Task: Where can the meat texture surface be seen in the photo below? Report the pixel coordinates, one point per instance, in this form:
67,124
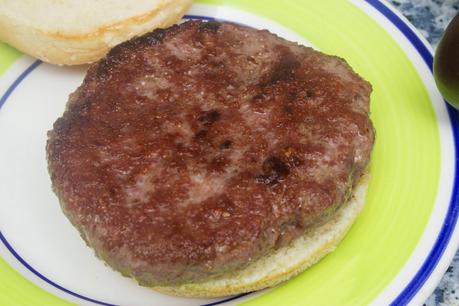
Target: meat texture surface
192,151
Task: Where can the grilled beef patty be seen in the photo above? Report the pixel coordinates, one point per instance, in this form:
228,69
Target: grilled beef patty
192,151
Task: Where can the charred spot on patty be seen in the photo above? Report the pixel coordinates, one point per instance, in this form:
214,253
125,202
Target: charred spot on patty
200,134
310,93
209,117
288,109
274,170
209,26
260,98
251,59
226,144
283,69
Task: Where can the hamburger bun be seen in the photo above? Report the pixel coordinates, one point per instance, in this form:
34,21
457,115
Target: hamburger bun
79,32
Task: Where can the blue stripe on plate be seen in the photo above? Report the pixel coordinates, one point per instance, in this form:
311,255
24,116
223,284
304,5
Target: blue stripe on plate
31,269
3,99
16,82
449,223
452,215
200,17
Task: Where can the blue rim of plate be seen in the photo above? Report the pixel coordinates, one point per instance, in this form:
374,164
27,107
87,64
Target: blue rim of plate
449,223
451,218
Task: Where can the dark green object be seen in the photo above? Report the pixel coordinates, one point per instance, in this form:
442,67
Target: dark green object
446,63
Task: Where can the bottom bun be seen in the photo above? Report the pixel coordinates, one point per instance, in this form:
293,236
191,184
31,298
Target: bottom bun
285,262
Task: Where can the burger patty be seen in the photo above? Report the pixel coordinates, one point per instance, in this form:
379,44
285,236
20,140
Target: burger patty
192,151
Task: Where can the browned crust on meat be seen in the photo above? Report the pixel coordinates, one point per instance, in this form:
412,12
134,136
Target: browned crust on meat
195,150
